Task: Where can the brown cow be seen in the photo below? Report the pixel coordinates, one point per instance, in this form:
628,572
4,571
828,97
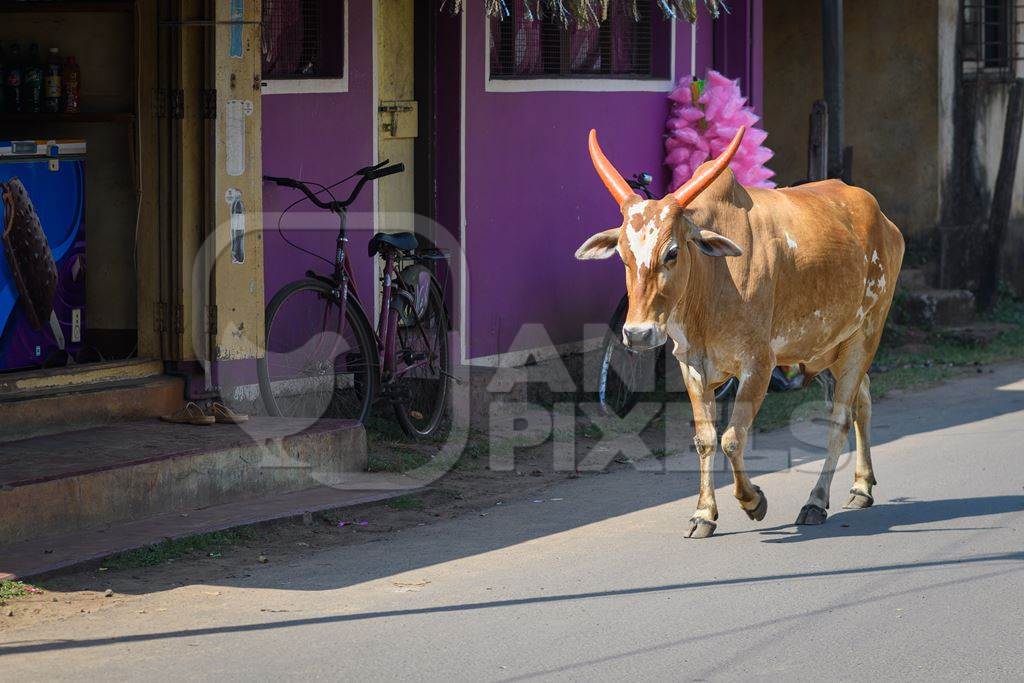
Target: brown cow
809,279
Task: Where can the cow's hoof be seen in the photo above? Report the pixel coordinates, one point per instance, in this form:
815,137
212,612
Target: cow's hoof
858,501
811,514
701,528
758,513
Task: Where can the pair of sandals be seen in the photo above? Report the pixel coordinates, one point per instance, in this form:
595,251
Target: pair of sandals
192,414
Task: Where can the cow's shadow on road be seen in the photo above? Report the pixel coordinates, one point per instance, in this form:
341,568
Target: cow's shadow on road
900,515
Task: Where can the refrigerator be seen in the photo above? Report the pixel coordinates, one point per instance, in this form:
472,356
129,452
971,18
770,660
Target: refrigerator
42,252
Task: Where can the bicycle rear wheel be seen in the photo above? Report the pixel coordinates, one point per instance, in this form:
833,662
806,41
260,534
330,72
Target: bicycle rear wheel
317,365
421,392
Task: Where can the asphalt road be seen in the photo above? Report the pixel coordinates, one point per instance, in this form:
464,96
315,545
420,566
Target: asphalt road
598,582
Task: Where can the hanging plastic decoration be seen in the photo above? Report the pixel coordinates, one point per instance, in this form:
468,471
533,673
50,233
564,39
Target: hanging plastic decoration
588,12
704,118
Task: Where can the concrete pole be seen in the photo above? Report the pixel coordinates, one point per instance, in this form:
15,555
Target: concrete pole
832,71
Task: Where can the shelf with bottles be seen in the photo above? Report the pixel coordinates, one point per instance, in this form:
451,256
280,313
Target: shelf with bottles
61,117
28,6
32,85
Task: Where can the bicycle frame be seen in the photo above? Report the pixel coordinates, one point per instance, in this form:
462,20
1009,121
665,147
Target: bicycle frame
387,323
342,278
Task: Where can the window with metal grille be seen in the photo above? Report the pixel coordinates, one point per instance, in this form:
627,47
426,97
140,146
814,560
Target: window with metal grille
991,38
303,38
623,45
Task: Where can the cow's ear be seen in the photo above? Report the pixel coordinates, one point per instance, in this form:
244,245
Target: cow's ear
599,246
713,244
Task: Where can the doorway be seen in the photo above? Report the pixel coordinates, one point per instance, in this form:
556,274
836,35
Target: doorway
397,113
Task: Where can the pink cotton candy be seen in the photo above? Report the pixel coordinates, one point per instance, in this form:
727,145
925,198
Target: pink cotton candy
698,131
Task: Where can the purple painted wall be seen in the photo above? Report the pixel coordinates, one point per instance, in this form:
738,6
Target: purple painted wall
738,48
532,196
321,138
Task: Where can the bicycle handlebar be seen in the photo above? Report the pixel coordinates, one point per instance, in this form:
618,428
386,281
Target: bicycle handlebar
390,170
367,174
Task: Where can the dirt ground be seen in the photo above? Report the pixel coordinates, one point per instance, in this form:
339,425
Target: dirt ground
470,488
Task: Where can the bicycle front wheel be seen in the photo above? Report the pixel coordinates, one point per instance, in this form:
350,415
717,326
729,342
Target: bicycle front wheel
625,375
316,363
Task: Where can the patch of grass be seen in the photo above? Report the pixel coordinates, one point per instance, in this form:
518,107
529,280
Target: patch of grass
396,460
16,589
897,369
160,553
406,503
477,447
779,408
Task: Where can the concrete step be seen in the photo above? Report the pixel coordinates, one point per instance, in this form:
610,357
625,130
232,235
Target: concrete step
88,479
977,334
931,308
50,401
50,553
913,279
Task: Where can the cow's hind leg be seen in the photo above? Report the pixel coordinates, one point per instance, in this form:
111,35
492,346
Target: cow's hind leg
864,474
848,370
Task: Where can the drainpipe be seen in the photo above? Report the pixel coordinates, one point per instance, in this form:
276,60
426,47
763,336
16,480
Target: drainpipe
832,72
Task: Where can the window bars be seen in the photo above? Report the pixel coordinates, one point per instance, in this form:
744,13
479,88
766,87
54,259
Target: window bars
293,33
992,38
621,45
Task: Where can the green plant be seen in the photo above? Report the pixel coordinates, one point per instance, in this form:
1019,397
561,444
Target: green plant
173,549
16,589
406,503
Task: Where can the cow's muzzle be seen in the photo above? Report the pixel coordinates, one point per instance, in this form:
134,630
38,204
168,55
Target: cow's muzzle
643,336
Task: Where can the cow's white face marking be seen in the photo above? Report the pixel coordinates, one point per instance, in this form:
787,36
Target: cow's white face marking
874,257
778,344
790,242
641,242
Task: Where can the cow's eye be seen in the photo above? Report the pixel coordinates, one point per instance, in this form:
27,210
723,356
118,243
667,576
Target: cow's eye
672,253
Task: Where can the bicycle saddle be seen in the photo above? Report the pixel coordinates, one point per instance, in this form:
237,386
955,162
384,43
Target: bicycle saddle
402,241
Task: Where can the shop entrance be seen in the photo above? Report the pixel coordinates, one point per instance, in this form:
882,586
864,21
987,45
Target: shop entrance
72,177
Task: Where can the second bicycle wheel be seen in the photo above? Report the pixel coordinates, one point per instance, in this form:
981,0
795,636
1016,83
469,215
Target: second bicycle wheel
316,364
625,375
421,390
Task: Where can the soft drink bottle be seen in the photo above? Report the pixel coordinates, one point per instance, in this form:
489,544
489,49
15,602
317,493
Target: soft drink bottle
12,81
72,77
52,86
3,79
32,82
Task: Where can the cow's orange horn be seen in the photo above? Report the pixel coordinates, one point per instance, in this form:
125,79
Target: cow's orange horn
705,176
613,180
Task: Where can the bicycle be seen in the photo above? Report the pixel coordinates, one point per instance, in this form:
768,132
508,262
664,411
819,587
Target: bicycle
323,357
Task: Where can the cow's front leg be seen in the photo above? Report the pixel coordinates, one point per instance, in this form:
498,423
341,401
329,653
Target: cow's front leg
703,522
749,396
